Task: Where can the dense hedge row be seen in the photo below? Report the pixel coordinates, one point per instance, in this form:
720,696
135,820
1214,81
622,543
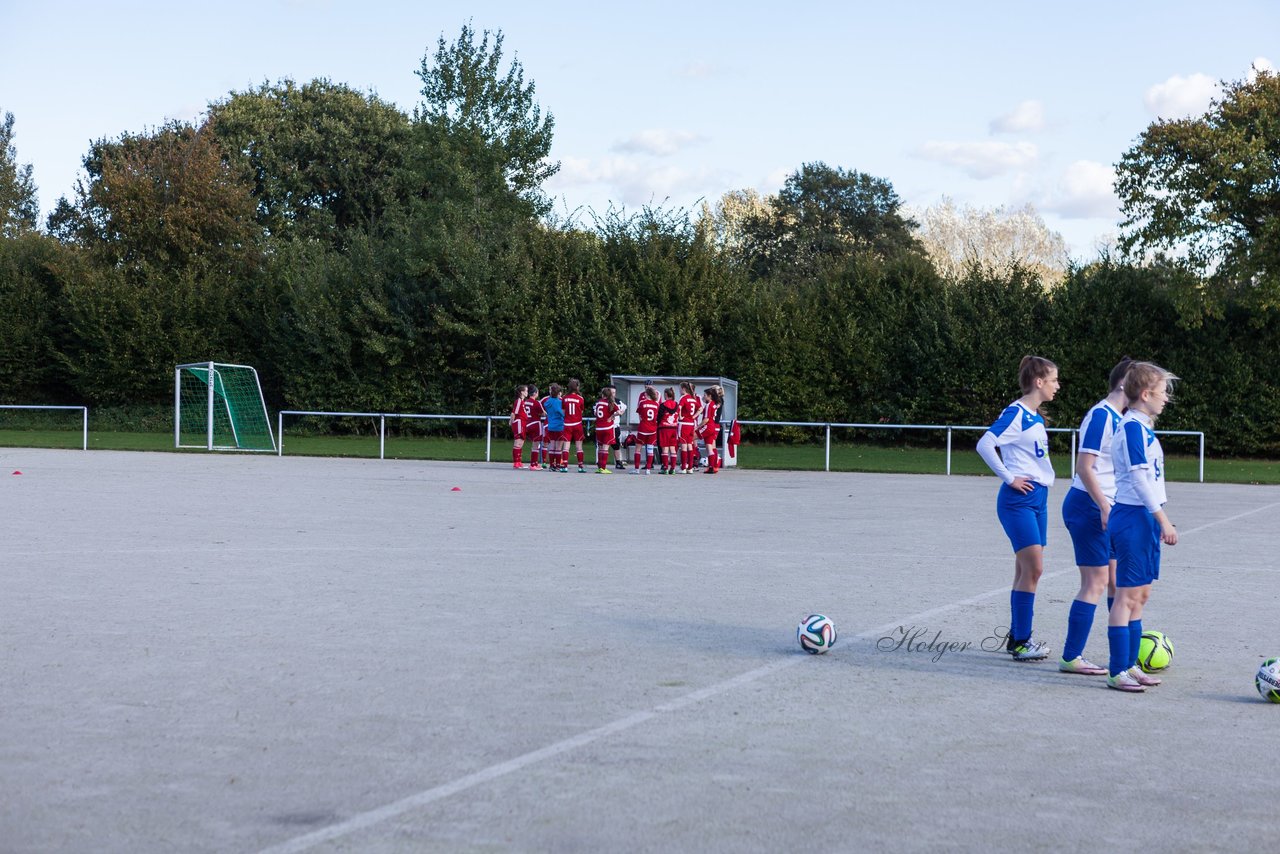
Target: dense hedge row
415,320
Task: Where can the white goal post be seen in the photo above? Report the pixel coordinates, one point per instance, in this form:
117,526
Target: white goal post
219,407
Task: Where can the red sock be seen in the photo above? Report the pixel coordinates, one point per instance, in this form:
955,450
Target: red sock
713,459
602,459
637,463
579,457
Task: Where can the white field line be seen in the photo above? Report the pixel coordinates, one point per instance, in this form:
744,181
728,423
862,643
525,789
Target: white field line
493,772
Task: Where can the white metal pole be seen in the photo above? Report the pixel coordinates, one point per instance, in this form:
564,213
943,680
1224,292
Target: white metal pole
382,437
1202,458
828,447
86,427
488,437
1073,453
948,451
280,433
177,407
209,414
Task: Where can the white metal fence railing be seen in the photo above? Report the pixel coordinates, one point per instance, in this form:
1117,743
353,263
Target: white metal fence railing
826,425
84,418
950,428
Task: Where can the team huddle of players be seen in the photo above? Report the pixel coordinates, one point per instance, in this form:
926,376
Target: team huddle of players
667,426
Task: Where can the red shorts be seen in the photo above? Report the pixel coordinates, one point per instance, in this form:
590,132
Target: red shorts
517,429
533,431
687,435
554,435
606,435
667,437
573,433
646,438
709,434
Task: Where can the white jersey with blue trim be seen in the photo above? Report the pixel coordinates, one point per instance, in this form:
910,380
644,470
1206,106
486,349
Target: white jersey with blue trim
1139,463
1097,432
1023,440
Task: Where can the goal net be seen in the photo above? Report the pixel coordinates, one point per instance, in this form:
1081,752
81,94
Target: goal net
220,408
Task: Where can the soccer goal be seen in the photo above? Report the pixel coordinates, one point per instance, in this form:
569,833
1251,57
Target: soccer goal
220,408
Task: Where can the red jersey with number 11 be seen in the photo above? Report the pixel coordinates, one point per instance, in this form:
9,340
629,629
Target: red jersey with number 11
573,409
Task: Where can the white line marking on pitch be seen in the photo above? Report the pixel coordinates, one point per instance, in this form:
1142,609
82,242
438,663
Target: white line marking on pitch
493,772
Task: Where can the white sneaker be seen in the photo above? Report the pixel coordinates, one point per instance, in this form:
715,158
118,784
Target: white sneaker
1124,681
1030,650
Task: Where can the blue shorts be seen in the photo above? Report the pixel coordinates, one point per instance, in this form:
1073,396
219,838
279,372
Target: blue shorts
1025,518
1135,533
1084,522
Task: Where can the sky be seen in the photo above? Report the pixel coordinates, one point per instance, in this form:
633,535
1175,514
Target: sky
991,104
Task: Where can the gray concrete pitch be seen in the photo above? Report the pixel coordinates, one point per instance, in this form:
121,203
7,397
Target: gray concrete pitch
223,653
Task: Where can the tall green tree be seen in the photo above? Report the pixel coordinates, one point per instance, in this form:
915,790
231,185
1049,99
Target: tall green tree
322,158
824,215
162,201
488,115
19,209
1210,187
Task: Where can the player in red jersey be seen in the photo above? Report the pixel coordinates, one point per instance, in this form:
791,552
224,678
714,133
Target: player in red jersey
709,425
517,427
533,417
606,412
574,407
689,406
647,432
668,429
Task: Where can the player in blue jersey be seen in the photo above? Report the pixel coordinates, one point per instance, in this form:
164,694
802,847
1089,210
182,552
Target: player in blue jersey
1138,523
1016,448
1085,511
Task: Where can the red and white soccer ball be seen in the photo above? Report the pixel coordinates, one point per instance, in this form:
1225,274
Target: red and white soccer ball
816,634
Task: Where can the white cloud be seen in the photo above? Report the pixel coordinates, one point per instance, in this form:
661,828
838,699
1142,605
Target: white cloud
1084,191
660,143
1027,117
1260,64
696,70
1180,97
981,159
634,181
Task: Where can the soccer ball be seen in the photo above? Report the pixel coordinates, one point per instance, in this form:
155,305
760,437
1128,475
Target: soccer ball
1155,652
1268,680
816,634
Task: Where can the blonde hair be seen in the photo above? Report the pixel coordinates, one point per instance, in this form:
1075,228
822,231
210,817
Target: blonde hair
1142,376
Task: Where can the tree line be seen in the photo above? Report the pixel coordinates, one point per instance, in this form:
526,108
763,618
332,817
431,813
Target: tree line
365,258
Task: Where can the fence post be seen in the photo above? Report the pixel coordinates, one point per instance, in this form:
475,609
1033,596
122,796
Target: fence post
1202,458
382,437
85,426
1073,452
488,437
948,450
828,468
280,433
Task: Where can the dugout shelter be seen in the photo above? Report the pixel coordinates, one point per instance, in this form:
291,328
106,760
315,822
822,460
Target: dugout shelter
630,386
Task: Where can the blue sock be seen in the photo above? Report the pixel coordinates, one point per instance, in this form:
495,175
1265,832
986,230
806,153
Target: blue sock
1013,618
1111,600
1135,639
1118,640
1079,622
1024,605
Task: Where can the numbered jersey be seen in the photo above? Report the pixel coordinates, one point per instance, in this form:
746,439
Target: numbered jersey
533,411
647,412
1023,441
1139,462
606,412
573,409
688,409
